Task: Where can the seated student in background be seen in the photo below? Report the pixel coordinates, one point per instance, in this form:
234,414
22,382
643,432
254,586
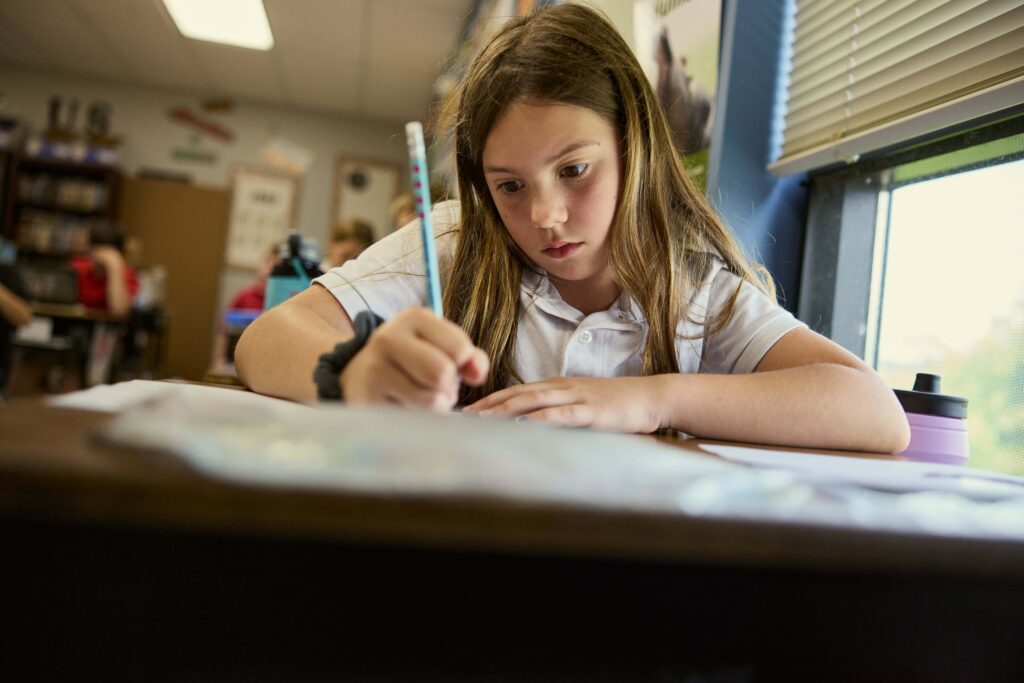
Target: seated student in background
105,280
249,298
402,210
348,239
15,311
403,207
586,280
252,296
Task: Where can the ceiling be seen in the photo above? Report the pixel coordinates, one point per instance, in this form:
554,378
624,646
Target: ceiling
369,59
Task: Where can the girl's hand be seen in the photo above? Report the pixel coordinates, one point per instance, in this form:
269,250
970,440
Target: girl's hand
620,404
415,359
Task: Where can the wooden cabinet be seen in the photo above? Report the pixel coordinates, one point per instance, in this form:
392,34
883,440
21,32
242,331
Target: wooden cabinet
184,229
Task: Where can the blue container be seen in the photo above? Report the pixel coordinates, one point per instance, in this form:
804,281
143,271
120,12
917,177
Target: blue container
296,267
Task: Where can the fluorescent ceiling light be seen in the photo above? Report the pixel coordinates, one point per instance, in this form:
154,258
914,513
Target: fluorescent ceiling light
242,23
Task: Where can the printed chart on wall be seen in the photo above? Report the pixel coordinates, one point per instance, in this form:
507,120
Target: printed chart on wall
262,212
681,42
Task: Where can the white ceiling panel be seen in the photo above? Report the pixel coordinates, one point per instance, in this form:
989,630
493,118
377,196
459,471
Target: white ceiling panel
306,35
239,72
68,43
150,49
409,103
15,45
373,58
408,37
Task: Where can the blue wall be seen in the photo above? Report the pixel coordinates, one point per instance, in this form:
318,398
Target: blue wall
766,213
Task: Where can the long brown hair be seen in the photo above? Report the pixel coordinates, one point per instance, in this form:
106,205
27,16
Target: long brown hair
663,236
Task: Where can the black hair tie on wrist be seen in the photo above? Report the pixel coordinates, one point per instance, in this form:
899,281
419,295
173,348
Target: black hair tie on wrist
327,374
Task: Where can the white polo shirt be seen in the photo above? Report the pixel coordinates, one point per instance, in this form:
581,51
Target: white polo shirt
554,339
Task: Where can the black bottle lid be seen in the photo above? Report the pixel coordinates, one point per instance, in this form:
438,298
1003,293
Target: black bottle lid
925,399
291,255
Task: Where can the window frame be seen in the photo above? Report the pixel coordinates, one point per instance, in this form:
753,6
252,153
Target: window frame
845,238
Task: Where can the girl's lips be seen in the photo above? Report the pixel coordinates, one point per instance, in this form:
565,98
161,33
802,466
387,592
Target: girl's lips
561,249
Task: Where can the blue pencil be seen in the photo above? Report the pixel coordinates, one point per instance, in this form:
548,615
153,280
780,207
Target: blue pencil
421,191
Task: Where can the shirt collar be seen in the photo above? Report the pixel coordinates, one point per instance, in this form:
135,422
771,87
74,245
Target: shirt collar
537,290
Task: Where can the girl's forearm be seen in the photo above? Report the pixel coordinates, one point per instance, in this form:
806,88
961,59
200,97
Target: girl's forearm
277,352
119,302
823,405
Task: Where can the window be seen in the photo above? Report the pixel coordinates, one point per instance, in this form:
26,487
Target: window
952,300
916,263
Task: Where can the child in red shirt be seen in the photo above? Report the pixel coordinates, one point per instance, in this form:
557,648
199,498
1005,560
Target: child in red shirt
105,280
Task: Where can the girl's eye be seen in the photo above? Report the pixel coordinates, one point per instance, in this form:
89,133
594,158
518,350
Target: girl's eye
510,186
575,171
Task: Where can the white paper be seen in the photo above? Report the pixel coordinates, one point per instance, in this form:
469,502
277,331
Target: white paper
115,398
396,451
39,329
885,475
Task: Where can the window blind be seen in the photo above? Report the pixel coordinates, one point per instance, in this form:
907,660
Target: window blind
865,74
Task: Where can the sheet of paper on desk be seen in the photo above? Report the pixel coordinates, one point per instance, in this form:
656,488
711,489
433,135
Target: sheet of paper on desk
114,398
246,437
885,475
252,439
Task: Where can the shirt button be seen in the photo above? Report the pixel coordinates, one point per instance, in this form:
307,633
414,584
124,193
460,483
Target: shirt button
585,337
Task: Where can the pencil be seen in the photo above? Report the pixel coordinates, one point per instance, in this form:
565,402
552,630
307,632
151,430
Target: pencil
421,191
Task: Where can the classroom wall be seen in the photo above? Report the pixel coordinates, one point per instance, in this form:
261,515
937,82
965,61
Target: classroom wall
150,138
768,214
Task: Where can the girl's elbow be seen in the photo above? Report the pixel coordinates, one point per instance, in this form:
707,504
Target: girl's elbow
250,346
901,436
893,424
243,355
892,427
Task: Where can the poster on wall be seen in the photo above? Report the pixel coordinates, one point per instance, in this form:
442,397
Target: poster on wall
678,42
364,189
263,204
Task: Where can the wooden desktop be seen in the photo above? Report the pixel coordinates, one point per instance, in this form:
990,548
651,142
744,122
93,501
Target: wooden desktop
129,564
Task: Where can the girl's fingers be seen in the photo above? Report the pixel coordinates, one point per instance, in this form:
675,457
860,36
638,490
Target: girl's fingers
392,385
498,397
426,365
568,415
416,359
451,339
474,371
523,402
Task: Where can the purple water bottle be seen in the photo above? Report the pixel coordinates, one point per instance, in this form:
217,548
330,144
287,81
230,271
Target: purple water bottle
938,422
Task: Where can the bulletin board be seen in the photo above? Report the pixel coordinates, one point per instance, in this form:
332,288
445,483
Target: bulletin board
264,205
364,189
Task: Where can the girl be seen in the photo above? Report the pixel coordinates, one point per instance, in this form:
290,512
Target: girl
586,281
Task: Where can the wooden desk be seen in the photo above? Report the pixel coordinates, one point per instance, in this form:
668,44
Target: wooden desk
73,312
127,563
91,346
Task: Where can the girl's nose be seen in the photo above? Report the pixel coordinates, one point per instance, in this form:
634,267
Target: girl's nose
548,211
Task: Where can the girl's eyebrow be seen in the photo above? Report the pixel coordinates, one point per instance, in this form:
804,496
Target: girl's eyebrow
568,149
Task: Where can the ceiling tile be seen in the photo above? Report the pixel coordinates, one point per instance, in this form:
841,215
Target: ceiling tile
318,46
70,44
145,39
371,58
16,47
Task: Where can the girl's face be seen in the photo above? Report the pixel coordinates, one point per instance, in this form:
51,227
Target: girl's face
553,171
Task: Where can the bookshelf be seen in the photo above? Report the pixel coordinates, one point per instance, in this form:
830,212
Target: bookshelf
51,204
